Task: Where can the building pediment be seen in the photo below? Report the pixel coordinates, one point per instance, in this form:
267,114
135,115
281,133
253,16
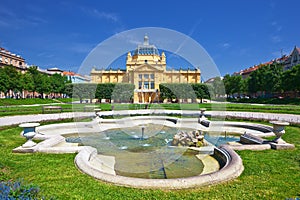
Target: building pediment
148,67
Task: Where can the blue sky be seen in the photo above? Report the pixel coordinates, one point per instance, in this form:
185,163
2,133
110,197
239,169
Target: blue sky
236,33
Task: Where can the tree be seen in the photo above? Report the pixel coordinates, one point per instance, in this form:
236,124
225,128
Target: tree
69,90
105,90
27,82
58,83
43,84
84,90
291,80
4,84
10,80
166,91
266,79
123,92
218,88
201,91
35,74
232,84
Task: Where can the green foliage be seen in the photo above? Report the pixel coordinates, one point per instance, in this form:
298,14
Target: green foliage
178,91
266,80
32,81
201,91
43,84
123,92
105,90
27,82
10,80
291,79
217,89
233,84
84,90
58,83
18,190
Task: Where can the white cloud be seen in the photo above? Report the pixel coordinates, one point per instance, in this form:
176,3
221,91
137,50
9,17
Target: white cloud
276,38
277,26
11,19
226,45
101,14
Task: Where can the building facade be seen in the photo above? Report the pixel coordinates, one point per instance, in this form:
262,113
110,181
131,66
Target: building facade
76,78
8,58
292,60
146,69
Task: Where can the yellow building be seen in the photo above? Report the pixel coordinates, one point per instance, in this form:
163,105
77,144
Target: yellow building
146,69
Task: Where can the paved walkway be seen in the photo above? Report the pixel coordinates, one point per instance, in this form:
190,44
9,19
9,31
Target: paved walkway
13,120
18,119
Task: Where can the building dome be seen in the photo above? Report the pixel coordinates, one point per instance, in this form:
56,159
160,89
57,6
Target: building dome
146,48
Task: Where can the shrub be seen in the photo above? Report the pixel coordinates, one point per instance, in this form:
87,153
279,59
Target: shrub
17,190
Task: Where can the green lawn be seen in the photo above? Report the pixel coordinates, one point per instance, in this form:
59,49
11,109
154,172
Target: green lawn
268,175
9,102
23,110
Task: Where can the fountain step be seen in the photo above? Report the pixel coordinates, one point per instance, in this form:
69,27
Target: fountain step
104,163
204,150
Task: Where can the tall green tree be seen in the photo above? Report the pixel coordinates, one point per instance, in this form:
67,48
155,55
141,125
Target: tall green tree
105,91
58,84
84,91
201,91
291,80
43,84
233,84
4,84
123,92
35,74
27,82
218,88
12,82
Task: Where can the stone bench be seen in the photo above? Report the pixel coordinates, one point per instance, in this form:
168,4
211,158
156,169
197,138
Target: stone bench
51,108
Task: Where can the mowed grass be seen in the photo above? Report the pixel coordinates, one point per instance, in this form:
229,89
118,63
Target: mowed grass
68,107
268,175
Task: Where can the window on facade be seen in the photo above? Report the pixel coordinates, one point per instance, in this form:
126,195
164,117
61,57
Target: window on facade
146,85
146,76
6,60
140,84
140,76
152,76
295,59
152,85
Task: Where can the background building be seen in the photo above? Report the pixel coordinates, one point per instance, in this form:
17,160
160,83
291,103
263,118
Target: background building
146,69
8,58
76,78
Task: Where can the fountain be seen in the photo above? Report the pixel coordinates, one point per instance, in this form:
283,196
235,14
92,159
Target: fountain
143,131
278,142
29,133
138,153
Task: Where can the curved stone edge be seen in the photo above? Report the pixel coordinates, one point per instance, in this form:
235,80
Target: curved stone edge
232,168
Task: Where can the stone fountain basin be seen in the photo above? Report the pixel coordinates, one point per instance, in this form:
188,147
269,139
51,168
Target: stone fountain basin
90,162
